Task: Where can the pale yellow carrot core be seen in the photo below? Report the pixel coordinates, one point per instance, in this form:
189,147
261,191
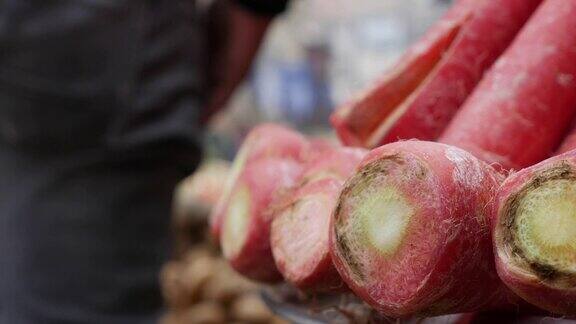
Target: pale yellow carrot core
382,216
546,225
236,222
235,170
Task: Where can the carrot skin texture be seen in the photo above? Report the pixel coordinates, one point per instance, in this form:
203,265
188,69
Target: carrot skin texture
356,120
485,36
265,140
263,180
301,223
514,272
433,271
299,238
318,146
519,112
338,163
458,49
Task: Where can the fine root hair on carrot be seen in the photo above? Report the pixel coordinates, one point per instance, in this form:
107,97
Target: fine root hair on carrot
410,232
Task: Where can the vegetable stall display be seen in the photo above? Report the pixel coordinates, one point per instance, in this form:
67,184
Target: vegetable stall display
418,98
301,222
422,228
245,237
266,140
411,234
519,112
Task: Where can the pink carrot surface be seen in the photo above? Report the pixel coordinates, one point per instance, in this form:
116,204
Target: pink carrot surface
319,146
534,233
245,238
337,163
299,237
411,234
266,140
300,229
355,121
419,97
519,112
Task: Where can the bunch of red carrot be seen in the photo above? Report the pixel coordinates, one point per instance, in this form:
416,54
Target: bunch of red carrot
424,228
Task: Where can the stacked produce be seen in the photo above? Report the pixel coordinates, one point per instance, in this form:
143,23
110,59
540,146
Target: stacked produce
200,288
418,98
519,112
411,231
421,228
245,237
301,224
267,140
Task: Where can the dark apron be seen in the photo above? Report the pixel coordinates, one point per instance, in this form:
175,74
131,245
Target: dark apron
98,110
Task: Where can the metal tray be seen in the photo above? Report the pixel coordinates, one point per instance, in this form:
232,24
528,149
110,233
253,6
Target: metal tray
296,307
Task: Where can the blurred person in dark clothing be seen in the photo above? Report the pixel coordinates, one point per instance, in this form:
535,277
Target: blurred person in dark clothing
102,103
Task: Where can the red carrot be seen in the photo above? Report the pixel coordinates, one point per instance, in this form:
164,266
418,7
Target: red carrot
266,140
410,233
245,238
418,98
299,237
320,145
338,163
300,229
535,233
519,112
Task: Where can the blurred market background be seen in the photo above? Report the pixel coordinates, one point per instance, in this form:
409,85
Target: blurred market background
316,56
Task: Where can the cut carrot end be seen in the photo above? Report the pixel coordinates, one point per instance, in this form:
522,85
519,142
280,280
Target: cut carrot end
539,227
546,225
383,216
235,228
373,220
301,237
